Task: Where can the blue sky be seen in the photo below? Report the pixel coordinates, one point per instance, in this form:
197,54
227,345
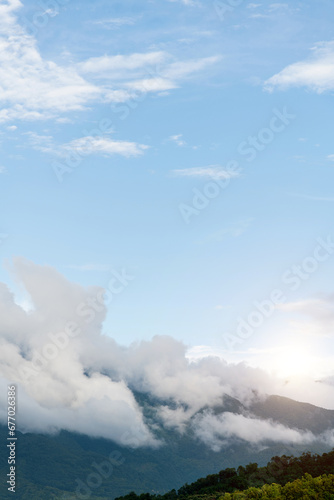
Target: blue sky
188,143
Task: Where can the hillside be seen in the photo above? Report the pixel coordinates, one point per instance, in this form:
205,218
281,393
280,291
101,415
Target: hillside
61,463
321,488
271,478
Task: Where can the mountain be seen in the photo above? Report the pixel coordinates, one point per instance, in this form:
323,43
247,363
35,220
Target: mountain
53,466
293,414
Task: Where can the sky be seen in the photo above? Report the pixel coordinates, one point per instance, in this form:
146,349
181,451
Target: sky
166,167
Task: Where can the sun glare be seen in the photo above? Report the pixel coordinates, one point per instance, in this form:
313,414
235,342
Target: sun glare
294,360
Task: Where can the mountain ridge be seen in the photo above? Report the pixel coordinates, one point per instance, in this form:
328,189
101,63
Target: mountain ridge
65,460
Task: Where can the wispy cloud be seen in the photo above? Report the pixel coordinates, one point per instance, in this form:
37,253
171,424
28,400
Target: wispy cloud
86,146
145,72
235,230
190,3
259,16
115,67
312,197
278,6
33,88
319,311
182,69
155,84
43,143
213,172
316,72
90,267
104,145
178,139
116,22
270,11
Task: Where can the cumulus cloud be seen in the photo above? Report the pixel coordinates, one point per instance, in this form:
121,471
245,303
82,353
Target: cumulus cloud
39,352
316,72
70,375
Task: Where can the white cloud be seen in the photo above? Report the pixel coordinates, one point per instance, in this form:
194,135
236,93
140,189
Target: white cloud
181,69
51,12
32,88
316,73
234,229
61,394
217,430
150,72
66,368
330,157
178,140
102,145
278,6
43,143
85,146
114,66
259,16
213,172
319,311
156,84
62,380
312,197
6,10
116,22
201,351
190,3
